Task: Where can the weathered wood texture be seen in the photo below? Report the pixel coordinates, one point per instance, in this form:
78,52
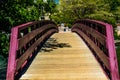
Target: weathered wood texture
65,57
99,37
25,41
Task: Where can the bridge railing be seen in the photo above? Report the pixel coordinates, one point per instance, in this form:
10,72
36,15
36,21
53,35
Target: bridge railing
99,37
25,40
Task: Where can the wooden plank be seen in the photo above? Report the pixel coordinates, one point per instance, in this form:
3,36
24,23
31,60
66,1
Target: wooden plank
100,53
66,57
29,36
24,57
100,37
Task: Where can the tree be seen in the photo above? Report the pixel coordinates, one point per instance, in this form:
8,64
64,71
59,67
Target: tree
16,12
113,4
71,10
50,8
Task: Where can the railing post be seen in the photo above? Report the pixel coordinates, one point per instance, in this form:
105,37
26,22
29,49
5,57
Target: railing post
103,46
12,54
112,53
20,50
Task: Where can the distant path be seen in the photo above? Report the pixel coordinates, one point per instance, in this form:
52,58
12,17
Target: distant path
64,57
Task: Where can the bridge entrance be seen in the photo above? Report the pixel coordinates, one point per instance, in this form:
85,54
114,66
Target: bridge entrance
65,56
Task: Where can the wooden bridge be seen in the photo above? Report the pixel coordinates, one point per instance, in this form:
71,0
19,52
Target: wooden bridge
39,52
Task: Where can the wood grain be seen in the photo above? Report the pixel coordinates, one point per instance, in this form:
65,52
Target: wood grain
100,53
25,56
66,57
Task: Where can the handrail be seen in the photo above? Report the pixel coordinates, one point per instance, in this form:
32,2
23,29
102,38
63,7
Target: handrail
99,37
25,40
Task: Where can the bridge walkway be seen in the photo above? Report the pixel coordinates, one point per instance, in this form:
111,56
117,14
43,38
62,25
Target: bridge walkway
64,56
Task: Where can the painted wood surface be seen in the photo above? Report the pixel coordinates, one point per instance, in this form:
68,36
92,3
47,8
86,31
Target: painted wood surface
24,42
99,37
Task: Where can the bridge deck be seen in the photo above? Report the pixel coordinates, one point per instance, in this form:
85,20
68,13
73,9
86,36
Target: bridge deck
64,57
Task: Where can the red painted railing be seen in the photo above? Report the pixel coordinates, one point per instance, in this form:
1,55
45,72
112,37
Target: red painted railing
25,40
99,37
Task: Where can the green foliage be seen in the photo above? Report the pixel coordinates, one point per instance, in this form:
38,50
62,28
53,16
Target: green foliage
3,67
104,10
103,16
113,4
50,7
116,36
16,12
4,44
117,13
12,13
118,55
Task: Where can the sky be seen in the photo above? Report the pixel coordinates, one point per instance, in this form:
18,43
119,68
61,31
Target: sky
57,1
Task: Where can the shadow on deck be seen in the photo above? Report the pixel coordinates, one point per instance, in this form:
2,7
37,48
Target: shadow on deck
52,44
48,46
